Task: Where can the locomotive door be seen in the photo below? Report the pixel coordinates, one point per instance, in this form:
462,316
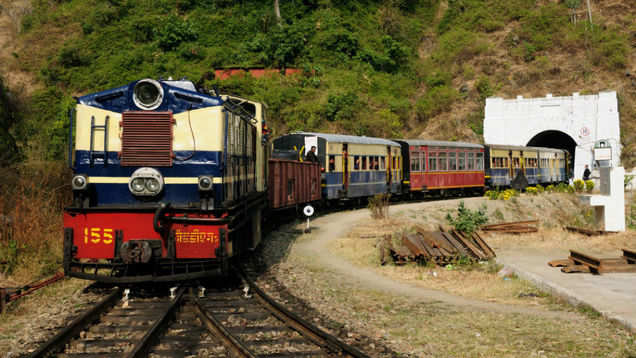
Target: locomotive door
345,166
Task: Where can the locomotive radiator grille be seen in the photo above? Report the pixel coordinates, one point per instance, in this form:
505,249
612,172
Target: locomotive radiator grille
147,139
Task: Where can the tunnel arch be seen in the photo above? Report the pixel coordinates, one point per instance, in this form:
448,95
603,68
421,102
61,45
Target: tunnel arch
555,139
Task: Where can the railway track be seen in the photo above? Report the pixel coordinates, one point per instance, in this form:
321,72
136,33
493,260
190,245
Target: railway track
235,323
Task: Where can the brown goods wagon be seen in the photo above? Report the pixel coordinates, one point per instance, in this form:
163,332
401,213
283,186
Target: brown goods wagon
292,183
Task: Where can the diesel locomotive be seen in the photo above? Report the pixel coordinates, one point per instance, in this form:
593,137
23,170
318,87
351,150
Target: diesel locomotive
169,182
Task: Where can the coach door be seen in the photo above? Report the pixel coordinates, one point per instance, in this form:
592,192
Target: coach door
387,166
345,166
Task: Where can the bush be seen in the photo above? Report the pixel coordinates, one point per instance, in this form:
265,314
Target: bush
540,188
173,32
532,190
589,186
467,220
379,206
579,185
550,188
491,194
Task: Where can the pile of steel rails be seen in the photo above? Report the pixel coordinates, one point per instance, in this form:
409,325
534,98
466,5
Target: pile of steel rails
515,227
439,247
580,262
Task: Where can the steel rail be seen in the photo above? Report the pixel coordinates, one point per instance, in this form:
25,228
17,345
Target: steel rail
142,348
237,348
74,328
313,333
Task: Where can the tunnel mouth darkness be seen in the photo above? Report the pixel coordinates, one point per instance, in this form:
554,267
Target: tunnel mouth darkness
554,139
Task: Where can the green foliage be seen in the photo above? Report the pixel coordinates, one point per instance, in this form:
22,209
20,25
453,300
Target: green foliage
589,186
436,100
467,220
627,180
173,31
550,188
540,188
579,185
341,106
532,190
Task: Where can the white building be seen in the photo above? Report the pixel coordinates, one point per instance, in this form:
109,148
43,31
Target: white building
574,122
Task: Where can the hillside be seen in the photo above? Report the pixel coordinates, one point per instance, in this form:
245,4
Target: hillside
419,68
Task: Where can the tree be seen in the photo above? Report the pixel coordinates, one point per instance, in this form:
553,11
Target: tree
277,12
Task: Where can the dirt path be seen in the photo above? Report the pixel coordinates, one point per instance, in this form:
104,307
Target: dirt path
333,226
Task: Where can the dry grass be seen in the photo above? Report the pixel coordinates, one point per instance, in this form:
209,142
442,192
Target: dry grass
31,203
432,329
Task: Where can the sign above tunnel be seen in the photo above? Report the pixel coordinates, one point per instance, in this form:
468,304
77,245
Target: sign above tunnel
574,123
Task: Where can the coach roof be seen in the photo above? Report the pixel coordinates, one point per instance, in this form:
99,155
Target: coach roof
440,143
342,138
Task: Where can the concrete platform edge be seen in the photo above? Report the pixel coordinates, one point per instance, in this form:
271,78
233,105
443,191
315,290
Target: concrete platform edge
569,296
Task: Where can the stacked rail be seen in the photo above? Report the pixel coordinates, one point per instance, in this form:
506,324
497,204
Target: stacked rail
439,247
581,262
516,227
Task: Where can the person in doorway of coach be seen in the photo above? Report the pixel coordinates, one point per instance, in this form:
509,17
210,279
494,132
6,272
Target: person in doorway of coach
586,173
311,155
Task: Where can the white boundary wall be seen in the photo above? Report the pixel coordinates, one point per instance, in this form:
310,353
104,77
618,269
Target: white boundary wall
585,119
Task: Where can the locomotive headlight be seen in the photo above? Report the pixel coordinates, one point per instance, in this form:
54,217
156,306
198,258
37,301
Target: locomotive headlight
146,182
205,183
148,94
152,185
137,185
79,182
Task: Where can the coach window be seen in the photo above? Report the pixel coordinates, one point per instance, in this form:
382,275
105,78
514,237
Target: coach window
332,163
479,162
415,162
470,162
452,161
441,161
432,161
364,162
516,162
356,162
376,164
461,161
382,163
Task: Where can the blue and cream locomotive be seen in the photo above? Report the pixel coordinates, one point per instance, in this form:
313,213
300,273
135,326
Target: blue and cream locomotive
168,182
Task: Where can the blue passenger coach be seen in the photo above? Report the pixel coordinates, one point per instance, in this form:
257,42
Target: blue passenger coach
352,166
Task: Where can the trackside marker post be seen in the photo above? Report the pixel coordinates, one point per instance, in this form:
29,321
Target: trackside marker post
308,211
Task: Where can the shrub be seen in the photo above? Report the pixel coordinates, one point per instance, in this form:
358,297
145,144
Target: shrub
532,190
467,220
589,186
540,188
579,185
550,188
492,194
173,32
379,206
561,188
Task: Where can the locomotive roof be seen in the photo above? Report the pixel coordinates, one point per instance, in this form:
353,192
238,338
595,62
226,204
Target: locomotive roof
519,147
440,143
343,138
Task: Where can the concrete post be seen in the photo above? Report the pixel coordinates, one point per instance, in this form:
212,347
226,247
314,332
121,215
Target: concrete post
610,204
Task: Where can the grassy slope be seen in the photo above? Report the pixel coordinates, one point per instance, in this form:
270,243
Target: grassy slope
410,68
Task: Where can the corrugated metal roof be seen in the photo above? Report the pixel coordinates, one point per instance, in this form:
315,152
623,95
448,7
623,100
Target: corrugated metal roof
515,147
342,138
441,143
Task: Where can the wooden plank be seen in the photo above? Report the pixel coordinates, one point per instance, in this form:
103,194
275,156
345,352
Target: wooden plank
575,269
561,263
617,268
580,258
